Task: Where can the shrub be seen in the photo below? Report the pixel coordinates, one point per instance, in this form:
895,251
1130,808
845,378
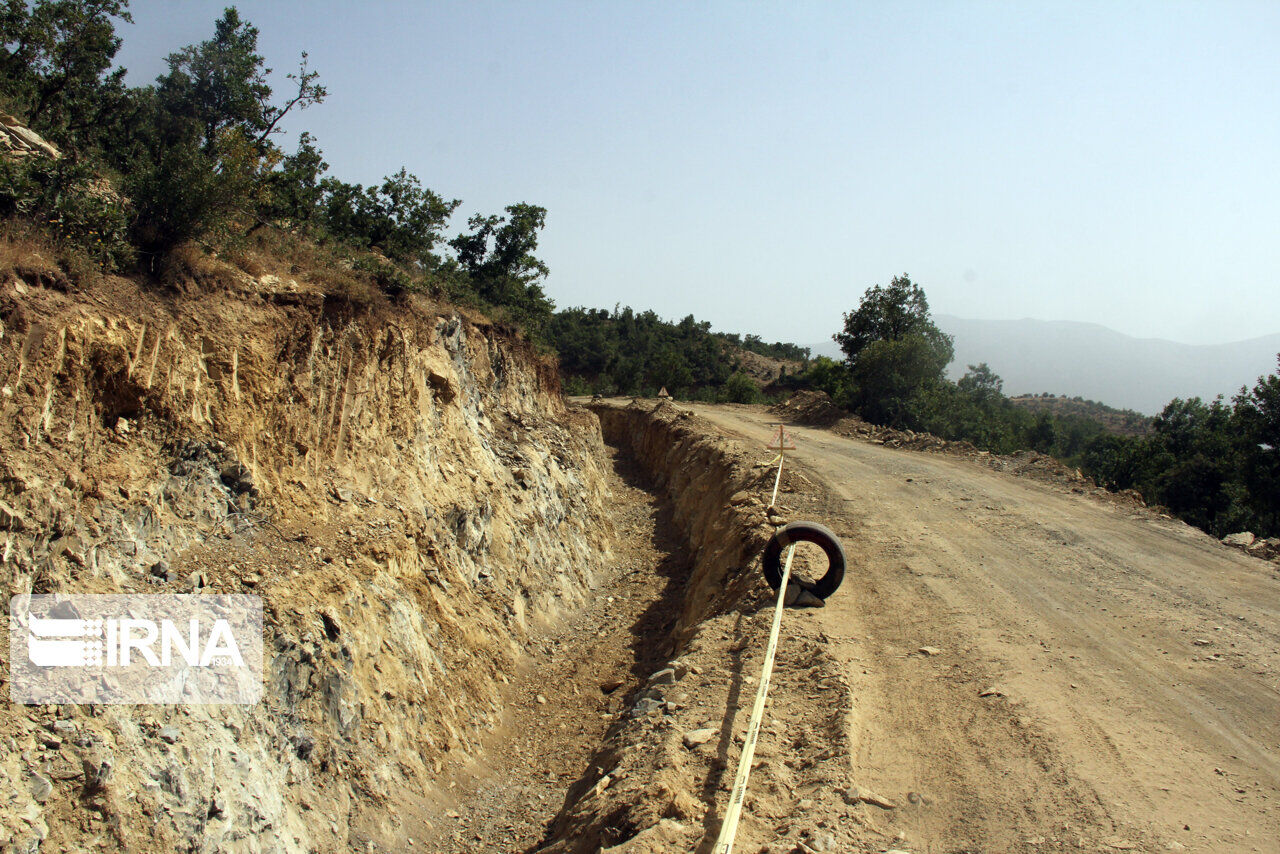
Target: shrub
74,206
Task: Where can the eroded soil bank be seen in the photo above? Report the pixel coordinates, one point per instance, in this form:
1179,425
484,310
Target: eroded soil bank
403,486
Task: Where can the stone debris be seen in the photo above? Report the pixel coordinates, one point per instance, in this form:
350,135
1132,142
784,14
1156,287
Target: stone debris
697,737
41,786
856,795
798,596
665,676
1266,548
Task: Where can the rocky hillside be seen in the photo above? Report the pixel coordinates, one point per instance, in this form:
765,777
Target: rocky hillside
403,486
763,369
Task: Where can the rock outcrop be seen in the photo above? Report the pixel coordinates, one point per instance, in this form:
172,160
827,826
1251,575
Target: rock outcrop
405,490
18,140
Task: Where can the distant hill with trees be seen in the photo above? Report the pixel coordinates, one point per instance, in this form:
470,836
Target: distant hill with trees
1122,422
1097,363
1093,362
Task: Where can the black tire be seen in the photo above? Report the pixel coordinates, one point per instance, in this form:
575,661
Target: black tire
807,532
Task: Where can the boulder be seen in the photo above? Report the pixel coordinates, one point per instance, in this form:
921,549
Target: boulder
1242,540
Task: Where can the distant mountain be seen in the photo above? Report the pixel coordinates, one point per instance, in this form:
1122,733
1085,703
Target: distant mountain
1097,363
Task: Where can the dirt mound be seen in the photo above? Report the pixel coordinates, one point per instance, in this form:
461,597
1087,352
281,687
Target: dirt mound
812,407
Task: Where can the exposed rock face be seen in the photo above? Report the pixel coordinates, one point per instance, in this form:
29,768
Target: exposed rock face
18,140
405,490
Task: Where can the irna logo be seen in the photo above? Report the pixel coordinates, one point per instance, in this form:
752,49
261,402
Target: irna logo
135,649
55,642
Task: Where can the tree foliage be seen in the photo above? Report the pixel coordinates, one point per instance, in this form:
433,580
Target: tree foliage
194,158
780,350
894,313
895,353
628,352
1215,464
497,255
400,218
55,64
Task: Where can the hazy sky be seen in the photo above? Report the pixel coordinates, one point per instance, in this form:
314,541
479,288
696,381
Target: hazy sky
761,164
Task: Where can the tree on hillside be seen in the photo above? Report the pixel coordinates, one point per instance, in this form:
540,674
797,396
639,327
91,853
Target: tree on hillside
982,384
893,350
221,84
202,156
295,186
54,57
892,313
498,255
1258,421
400,218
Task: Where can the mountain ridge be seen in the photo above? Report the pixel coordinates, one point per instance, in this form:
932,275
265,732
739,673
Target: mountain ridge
1076,358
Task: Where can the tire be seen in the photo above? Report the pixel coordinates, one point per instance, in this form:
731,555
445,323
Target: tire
806,532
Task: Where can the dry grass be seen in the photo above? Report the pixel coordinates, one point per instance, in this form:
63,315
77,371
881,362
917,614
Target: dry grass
191,265
35,259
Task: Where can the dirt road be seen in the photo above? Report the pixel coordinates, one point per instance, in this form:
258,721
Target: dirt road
1099,678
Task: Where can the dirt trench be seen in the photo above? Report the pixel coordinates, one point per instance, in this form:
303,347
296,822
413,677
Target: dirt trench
625,726
578,678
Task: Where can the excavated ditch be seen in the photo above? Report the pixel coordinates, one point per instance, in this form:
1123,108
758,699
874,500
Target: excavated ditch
625,725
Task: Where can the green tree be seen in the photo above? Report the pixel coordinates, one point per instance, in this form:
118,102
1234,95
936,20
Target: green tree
498,256
1257,422
892,313
203,158
400,218
294,188
894,352
982,384
740,388
54,61
221,84
828,375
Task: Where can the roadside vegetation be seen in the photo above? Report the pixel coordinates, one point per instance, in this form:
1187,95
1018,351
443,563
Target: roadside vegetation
638,353
189,172
1216,465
